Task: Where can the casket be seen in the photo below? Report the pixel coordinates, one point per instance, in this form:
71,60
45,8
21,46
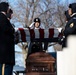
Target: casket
40,63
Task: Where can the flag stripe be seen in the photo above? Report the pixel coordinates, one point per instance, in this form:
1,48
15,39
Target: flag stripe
32,34
56,33
36,31
23,35
41,31
51,33
46,33
27,32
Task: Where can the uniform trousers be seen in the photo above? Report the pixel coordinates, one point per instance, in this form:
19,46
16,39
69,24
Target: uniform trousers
6,69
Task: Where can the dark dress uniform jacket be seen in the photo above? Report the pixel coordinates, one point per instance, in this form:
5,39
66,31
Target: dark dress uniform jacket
7,55
70,28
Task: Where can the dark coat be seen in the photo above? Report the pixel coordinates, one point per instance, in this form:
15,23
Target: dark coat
70,29
7,52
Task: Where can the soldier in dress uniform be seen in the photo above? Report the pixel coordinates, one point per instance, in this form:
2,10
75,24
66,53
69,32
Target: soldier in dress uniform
35,46
70,28
7,51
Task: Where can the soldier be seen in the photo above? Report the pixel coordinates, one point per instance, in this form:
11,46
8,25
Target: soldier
70,28
35,24
35,46
7,52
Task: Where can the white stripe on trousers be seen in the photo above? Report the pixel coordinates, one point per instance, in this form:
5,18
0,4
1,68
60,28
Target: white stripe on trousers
3,68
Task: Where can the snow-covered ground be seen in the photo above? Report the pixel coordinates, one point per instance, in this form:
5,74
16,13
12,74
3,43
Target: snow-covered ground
18,56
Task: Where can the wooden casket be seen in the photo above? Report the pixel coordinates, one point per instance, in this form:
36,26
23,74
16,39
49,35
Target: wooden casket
40,63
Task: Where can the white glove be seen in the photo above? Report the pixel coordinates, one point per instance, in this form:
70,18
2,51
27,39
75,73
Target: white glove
59,29
31,24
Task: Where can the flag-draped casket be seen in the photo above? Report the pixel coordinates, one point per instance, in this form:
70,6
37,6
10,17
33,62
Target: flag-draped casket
26,34
39,63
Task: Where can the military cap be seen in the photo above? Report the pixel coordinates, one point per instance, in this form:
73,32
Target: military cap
4,6
73,7
37,20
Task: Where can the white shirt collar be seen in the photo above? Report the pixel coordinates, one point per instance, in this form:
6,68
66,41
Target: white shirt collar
36,28
3,13
73,14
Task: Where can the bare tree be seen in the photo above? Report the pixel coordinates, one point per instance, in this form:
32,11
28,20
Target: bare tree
48,11
3,0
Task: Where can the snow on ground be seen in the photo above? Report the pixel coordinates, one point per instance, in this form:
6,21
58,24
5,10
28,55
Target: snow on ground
18,56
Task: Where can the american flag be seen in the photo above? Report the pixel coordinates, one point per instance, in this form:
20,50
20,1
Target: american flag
26,34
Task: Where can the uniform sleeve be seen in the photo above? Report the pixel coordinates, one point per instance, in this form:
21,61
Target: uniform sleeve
70,28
